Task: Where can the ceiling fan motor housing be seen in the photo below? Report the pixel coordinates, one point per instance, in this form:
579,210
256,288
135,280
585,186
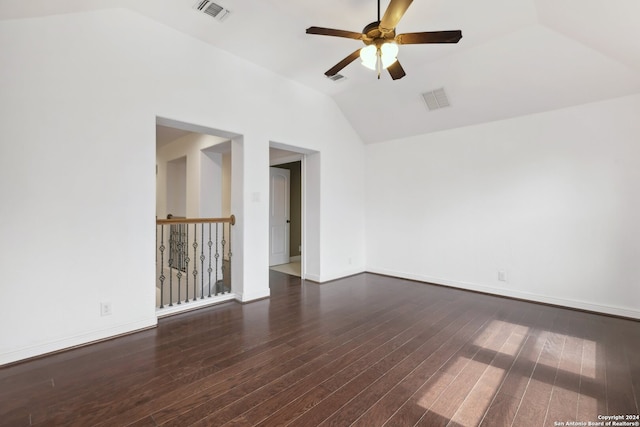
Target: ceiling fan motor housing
374,35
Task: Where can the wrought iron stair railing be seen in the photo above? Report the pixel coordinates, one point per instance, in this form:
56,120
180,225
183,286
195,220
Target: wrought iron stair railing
193,259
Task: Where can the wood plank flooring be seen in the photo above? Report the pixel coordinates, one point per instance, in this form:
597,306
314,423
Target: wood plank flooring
366,351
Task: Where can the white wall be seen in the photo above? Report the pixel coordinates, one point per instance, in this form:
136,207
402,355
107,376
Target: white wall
80,93
174,174
552,199
226,184
210,184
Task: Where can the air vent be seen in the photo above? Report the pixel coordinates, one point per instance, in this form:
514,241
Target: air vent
436,99
336,77
212,9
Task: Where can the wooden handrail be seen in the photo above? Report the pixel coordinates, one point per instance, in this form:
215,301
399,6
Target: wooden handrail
231,220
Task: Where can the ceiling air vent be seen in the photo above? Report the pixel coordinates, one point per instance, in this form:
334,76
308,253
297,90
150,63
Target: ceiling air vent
212,9
336,77
436,99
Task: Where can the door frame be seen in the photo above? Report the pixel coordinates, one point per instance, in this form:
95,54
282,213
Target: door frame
301,157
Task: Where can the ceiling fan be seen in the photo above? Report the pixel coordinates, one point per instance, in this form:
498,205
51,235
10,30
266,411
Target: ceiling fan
381,41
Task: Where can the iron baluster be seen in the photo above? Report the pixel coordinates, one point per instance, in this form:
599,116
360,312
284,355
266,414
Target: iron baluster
223,268
171,253
162,277
179,277
229,256
210,243
180,261
186,262
202,258
217,255
195,262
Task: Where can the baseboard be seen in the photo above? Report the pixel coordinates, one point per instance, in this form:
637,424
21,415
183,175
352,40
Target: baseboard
544,299
312,277
254,296
331,277
194,305
26,353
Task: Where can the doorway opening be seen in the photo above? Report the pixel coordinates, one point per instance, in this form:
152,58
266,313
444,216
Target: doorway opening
285,218
287,180
193,216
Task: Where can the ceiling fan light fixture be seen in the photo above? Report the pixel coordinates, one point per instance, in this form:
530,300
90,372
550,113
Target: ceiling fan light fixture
381,40
369,56
388,54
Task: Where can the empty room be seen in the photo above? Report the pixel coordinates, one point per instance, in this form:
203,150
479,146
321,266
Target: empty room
467,191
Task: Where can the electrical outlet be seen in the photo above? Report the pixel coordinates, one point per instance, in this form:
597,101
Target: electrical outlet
105,309
502,276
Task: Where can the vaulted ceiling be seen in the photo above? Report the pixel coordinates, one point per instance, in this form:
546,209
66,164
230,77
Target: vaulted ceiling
516,57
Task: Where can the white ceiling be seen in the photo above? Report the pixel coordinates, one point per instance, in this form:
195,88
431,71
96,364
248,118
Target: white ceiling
516,57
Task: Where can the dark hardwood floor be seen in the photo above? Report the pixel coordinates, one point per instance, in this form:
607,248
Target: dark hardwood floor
364,351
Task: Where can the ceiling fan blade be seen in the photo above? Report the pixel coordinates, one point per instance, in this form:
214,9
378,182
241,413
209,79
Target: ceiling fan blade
340,65
396,71
394,13
430,37
336,33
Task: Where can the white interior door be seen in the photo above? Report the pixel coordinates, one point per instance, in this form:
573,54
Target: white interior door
279,216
